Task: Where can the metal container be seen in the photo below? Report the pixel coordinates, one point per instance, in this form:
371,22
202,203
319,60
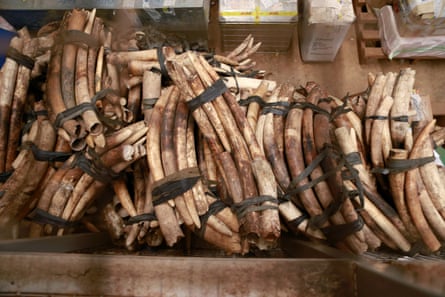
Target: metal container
81,265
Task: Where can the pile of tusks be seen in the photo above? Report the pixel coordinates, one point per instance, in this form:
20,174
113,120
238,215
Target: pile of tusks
152,144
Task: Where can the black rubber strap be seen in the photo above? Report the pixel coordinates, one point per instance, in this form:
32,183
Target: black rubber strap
149,103
336,233
20,58
353,158
94,168
46,156
43,217
319,220
214,208
403,118
146,217
294,189
398,166
293,224
252,99
339,110
376,117
174,185
31,117
253,204
72,113
212,92
76,37
315,108
5,175
161,60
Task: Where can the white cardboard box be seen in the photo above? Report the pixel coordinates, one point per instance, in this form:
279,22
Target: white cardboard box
324,26
258,11
396,46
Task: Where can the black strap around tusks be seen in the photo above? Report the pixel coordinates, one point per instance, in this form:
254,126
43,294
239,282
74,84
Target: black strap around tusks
277,108
161,60
315,108
174,185
145,217
20,58
214,208
336,233
94,168
217,89
319,220
31,117
42,217
46,156
78,37
72,113
149,103
253,204
403,118
295,223
5,175
294,189
252,99
399,166
111,123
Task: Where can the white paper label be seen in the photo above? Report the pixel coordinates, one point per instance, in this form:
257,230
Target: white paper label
146,4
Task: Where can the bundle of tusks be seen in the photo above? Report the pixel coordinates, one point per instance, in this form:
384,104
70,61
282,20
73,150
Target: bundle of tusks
167,143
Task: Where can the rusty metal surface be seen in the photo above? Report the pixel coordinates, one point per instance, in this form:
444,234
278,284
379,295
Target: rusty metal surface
81,274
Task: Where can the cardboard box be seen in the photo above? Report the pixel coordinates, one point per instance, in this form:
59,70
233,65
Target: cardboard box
396,46
323,28
271,22
258,11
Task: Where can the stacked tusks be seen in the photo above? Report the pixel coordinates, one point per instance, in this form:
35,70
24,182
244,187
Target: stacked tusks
168,143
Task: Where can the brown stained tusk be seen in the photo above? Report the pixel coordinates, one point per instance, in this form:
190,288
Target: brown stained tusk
348,144
376,146
8,75
374,98
250,51
402,98
18,102
169,157
139,67
95,56
76,20
429,172
27,176
87,198
151,90
254,107
121,190
397,187
45,198
126,57
199,197
384,223
164,212
225,60
240,48
82,94
99,69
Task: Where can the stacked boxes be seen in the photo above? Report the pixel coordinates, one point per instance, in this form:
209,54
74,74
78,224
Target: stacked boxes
271,22
323,28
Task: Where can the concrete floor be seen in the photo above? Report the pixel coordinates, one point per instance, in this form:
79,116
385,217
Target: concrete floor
345,74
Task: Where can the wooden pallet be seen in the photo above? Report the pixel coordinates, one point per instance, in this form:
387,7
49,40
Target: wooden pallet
367,31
